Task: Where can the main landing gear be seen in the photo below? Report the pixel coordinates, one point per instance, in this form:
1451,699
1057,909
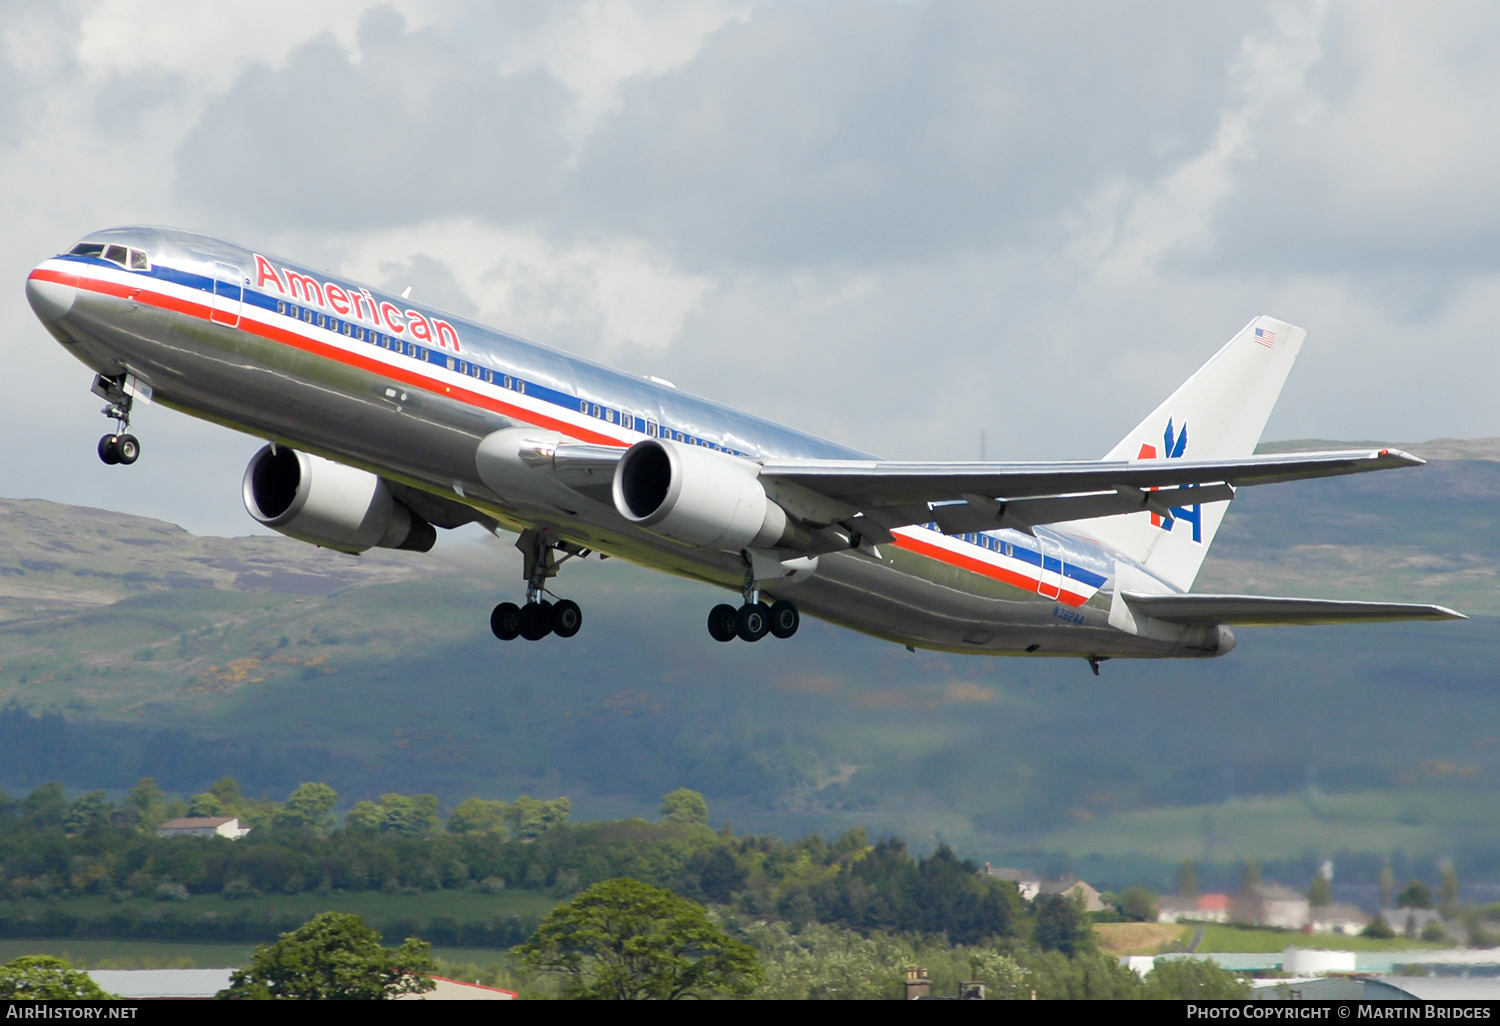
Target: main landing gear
121,447
753,620
539,617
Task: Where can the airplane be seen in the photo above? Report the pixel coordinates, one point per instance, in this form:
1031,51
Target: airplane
386,419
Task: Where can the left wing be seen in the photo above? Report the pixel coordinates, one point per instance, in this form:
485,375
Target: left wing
872,496
963,497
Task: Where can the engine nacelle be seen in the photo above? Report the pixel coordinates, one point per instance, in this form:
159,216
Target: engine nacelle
328,504
696,495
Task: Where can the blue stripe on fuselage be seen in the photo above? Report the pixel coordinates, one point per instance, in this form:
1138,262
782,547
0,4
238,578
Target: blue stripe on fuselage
998,541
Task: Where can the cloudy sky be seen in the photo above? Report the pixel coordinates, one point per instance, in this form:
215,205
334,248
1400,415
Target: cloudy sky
894,224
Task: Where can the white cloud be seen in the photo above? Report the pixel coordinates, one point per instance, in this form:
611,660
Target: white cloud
894,224
596,299
1128,231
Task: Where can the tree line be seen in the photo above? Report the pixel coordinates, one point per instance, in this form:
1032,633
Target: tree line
801,918
55,846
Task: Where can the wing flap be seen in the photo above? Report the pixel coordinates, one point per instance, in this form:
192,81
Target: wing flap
976,513
1259,610
873,483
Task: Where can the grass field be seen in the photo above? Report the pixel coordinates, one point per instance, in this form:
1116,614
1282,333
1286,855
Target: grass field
1248,940
1288,826
1141,938
374,906
133,954
1154,938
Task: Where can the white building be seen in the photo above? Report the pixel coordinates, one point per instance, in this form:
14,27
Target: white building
1027,882
203,826
1345,919
1205,908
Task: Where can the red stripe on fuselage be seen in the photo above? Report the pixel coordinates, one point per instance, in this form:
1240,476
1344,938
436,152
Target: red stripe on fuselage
983,568
404,375
410,377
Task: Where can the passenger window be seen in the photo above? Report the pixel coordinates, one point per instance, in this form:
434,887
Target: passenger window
583,406
115,254
88,249
595,414
609,415
138,261
280,306
521,387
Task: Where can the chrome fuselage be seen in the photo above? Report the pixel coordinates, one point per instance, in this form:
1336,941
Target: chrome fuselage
386,384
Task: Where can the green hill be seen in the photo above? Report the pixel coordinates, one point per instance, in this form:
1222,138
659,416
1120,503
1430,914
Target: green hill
158,653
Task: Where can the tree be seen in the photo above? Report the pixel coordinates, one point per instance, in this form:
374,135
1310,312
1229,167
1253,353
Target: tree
1088,976
478,816
1415,895
44,978
334,956
1061,924
363,816
684,806
1193,979
411,815
1138,904
625,940
310,807
86,810
1251,879
1320,891
227,791
46,806
1387,886
719,873
1448,892
145,805
531,818
1187,879
206,805
1379,929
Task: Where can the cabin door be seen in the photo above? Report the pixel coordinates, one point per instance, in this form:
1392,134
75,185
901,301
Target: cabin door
1049,581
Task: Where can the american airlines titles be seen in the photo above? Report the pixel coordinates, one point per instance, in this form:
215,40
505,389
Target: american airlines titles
359,305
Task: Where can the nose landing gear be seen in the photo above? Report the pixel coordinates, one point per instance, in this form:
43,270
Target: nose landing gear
120,447
539,617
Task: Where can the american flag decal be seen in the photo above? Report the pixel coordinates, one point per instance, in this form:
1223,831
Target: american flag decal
1266,337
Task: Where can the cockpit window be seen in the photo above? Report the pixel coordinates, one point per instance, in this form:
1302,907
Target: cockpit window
125,256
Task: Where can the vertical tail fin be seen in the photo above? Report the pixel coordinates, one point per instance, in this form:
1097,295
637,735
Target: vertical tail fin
1218,413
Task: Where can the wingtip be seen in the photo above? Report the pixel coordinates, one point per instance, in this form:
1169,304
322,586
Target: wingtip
1401,456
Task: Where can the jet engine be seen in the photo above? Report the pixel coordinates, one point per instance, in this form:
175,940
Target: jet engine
696,495
328,504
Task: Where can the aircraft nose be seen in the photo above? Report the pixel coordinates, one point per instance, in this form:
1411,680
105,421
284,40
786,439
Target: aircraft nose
51,293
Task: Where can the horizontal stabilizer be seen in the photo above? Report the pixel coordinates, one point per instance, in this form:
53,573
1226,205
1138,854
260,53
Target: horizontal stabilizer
1261,611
